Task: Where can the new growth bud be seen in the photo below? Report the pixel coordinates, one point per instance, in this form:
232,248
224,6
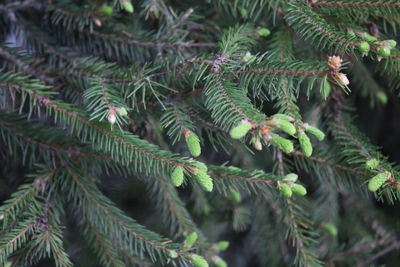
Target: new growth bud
305,144
299,189
204,180
193,143
199,261
191,239
282,143
111,117
317,133
240,130
177,176
285,190
127,6
377,181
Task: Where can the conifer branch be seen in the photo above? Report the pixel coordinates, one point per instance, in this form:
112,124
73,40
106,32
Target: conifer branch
130,144
102,246
130,41
17,5
172,208
101,211
46,243
328,163
23,67
254,182
299,231
357,148
349,4
24,199
301,15
16,238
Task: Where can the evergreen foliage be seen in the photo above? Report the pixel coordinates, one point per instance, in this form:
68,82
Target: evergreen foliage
105,104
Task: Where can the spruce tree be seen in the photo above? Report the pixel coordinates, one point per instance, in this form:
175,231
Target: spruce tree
198,133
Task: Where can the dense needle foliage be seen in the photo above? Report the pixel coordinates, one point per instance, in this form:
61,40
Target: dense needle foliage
198,133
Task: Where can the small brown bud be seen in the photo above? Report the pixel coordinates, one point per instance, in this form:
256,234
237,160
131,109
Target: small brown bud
96,21
111,117
335,62
265,130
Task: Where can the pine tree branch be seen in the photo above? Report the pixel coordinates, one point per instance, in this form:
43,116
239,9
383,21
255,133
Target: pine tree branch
350,4
362,248
327,162
101,245
41,137
16,238
196,116
24,199
130,143
357,148
286,72
299,227
394,246
177,121
303,253
130,41
101,211
255,182
17,5
23,67
300,15
172,208
133,260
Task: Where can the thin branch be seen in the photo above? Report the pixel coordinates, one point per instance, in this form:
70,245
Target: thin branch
354,4
25,68
394,246
16,5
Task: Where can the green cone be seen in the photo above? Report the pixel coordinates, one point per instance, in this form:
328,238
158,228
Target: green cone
364,47
372,164
316,132
193,144
286,126
191,239
305,144
281,116
177,176
244,13
222,245
368,37
285,190
384,51
331,229
291,177
106,10
282,143
200,165
377,181
198,261
127,5
204,180
173,254
392,43
298,189
240,130
220,262
264,32
236,197
382,97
